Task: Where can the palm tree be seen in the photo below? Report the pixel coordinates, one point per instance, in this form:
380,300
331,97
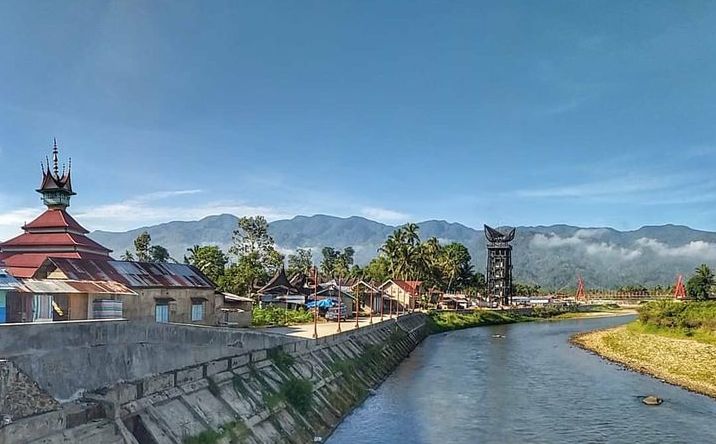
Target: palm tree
700,283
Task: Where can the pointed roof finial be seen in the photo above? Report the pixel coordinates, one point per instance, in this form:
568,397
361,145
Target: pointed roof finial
55,160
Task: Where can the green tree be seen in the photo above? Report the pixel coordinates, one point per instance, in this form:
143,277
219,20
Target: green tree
209,259
300,262
127,256
158,254
377,270
337,263
256,256
455,266
700,283
142,244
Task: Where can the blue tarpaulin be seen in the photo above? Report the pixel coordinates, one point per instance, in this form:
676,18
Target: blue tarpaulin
323,303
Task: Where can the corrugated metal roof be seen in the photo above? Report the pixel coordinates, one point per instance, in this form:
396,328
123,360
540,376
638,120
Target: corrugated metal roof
133,274
7,282
57,286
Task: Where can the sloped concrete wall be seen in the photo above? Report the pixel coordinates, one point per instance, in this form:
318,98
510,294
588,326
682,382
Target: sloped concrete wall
247,397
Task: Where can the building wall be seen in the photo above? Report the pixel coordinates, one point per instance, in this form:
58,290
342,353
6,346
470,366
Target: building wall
141,307
395,292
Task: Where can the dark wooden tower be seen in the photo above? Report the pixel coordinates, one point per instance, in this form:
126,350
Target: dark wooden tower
499,265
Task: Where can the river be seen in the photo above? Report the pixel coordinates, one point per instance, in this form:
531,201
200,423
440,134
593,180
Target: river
531,386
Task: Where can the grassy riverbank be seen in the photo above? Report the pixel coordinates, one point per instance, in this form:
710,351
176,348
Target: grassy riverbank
440,321
672,341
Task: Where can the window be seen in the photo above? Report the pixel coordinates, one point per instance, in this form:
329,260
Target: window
161,312
42,308
197,311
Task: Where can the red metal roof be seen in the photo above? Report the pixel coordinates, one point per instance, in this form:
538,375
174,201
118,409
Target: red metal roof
410,287
53,240
55,219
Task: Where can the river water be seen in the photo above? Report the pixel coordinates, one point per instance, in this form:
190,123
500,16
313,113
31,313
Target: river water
529,387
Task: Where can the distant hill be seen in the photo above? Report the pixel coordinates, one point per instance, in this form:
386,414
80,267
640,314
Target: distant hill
551,256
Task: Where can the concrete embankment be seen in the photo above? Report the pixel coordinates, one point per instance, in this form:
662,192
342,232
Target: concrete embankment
261,389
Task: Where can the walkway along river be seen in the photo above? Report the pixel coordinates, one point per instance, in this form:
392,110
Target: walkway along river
531,386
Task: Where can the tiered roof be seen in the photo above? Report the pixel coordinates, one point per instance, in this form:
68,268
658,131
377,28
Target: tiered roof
54,233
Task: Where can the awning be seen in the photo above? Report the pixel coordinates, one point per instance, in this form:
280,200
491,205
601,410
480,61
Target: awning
235,298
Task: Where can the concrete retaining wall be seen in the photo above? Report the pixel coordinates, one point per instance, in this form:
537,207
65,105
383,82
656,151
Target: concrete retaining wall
66,359
243,397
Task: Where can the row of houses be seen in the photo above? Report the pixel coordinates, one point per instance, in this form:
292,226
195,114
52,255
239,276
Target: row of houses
54,272
295,292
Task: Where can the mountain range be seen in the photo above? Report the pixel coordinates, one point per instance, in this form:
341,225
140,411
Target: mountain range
551,256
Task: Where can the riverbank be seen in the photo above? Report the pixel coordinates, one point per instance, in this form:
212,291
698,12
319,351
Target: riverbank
669,355
441,321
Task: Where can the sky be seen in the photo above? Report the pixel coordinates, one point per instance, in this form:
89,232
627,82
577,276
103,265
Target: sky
505,113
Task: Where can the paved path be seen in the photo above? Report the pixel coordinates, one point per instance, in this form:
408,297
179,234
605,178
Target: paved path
325,328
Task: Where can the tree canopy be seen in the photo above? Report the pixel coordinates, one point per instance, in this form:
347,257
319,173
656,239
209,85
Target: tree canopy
700,284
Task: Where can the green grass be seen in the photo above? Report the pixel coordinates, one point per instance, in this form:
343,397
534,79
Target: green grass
277,316
236,431
296,392
696,334
690,315
281,358
439,321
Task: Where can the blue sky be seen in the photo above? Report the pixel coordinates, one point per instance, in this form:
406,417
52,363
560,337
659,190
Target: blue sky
520,113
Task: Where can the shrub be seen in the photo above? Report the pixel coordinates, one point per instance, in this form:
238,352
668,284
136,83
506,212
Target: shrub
277,316
681,315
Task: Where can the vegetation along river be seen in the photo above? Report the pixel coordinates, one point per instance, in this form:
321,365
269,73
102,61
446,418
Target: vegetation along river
531,386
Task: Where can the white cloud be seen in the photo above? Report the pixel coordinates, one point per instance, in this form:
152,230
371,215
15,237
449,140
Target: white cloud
694,249
643,247
384,215
11,221
553,241
583,240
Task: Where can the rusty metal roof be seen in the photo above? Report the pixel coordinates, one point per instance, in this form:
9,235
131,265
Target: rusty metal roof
131,274
58,286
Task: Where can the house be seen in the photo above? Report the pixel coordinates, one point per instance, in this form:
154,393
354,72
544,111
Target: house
7,283
65,275
280,291
454,302
161,292
235,310
405,293
370,296
333,290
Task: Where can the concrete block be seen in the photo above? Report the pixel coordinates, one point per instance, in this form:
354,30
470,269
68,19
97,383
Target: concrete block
289,348
190,374
123,393
240,360
215,367
258,355
157,383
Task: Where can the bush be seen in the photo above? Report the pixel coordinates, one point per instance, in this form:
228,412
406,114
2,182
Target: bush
277,316
688,315
298,393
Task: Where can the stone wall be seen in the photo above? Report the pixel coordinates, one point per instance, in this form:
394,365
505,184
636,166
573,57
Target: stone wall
20,396
292,392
